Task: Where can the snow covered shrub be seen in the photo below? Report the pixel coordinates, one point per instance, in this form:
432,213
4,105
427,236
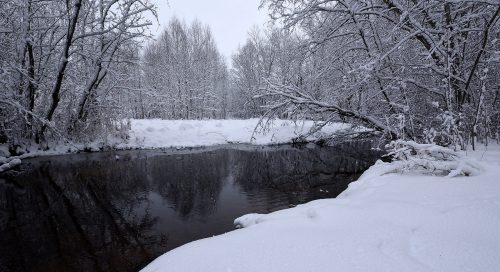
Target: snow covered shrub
445,131
430,158
122,129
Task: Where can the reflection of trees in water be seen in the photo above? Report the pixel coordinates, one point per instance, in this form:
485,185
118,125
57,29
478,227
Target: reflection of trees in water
76,218
86,214
191,182
291,173
296,169
93,215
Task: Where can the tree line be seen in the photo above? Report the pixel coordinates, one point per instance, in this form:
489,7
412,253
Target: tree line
416,70
184,74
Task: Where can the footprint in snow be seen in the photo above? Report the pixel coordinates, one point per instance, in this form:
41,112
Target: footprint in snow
311,214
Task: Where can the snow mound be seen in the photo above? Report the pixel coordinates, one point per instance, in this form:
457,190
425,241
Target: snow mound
410,156
6,165
247,220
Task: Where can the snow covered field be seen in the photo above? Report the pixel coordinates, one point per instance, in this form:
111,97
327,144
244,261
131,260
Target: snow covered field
155,133
188,133
382,222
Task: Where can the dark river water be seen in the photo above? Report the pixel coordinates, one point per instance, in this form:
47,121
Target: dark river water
117,211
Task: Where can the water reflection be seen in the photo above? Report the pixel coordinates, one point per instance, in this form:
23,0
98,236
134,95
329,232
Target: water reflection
118,211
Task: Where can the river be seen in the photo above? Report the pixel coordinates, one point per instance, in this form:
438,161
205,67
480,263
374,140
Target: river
117,211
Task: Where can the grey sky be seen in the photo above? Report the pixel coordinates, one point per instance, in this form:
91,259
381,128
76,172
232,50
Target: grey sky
230,20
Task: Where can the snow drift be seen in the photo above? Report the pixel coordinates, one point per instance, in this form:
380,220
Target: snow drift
382,222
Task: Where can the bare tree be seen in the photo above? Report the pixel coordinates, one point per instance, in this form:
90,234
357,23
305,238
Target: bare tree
57,59
423,70
185,74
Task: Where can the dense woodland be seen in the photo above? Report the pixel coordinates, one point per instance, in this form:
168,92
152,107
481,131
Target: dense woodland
184,74
427,71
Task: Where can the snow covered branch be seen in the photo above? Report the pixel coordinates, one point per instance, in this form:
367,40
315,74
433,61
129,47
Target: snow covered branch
410,156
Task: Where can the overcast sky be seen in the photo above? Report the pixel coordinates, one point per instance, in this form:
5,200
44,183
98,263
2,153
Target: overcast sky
230,20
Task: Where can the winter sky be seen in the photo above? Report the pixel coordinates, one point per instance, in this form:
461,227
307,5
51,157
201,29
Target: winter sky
230,20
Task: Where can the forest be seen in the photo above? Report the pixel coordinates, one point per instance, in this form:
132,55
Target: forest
331,135
77,70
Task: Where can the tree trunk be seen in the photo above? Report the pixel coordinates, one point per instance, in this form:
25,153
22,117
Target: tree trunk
62,65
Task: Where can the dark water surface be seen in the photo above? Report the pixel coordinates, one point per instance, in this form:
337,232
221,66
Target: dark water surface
117,211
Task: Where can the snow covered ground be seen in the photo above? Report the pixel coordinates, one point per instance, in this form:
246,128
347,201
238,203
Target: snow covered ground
155,133
382,222
188,133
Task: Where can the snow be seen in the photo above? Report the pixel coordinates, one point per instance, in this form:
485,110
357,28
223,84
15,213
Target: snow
158,133
6,165
385,221
433,159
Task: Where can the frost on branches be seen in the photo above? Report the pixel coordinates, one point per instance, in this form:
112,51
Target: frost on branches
409,156
425,71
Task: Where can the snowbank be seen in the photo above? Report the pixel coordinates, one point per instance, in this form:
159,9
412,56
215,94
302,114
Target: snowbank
7,164
188,133
382,222
155,133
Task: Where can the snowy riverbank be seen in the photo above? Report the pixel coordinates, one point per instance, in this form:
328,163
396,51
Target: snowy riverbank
155,133
382,222
190,133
